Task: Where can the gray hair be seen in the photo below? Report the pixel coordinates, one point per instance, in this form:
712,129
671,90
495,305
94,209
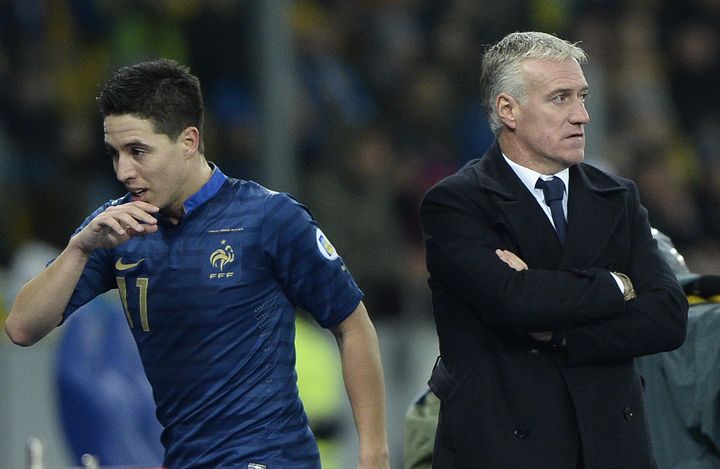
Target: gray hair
501,66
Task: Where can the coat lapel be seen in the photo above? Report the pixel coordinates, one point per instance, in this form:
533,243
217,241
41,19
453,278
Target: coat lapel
593,216
534,234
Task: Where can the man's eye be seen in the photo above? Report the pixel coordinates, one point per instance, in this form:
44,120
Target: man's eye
560,98
138,151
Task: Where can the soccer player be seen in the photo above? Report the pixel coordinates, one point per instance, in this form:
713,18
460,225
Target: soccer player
210,271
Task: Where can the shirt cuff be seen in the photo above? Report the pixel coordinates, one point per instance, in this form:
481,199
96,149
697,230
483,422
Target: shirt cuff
619,282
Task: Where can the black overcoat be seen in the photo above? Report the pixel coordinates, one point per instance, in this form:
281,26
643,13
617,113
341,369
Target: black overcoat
509,402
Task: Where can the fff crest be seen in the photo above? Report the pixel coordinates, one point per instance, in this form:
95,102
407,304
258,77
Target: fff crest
220,258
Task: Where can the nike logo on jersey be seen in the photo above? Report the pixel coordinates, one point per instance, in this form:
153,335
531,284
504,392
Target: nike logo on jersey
120,265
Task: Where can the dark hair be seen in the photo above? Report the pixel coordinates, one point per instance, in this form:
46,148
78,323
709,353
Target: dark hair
162,91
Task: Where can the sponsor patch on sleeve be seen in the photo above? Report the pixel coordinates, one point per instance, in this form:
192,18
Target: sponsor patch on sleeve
324,246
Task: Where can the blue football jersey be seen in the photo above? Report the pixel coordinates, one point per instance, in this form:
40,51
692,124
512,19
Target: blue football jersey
211,304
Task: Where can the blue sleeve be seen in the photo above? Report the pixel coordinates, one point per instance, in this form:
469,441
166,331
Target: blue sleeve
312,274
98,276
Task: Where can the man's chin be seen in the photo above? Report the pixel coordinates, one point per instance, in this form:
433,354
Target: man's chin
573,158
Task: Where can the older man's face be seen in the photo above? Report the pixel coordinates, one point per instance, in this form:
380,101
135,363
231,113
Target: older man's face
550,121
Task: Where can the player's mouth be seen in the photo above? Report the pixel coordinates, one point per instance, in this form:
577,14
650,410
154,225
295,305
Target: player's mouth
138,194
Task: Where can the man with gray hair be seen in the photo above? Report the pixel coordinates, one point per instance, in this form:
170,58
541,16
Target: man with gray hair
547,283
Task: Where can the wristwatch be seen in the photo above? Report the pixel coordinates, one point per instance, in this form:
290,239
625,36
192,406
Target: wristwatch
628,289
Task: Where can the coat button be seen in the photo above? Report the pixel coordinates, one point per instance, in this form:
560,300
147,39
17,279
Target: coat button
533,355
521,431
628,413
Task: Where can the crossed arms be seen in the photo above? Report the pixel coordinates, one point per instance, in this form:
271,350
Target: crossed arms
462,241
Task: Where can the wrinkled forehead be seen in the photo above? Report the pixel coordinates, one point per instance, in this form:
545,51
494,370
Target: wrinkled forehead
552,73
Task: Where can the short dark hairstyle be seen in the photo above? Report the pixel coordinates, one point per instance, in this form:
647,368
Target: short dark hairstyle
162,91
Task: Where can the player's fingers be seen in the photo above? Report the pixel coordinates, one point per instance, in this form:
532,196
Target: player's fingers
144,206
109,224
118,221
139,204
131,215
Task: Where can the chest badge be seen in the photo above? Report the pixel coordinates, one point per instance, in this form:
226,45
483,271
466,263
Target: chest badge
220,258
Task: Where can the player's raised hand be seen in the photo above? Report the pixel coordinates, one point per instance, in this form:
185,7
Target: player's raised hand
116,225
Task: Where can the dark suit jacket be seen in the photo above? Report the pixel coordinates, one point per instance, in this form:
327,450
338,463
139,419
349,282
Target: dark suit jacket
509,401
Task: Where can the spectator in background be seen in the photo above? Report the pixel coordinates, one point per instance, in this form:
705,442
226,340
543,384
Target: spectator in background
420,427
682,387
372,54
356,199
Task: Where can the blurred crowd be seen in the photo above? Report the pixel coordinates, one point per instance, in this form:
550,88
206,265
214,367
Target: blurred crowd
388,103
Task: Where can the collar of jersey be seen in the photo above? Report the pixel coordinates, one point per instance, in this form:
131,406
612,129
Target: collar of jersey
206,192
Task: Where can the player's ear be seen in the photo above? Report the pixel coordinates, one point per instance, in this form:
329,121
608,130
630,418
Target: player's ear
190,138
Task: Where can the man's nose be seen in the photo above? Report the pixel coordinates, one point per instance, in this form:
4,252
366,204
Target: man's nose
124,169
580,114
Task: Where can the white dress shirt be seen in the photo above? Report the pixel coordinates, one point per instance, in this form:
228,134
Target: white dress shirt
530,177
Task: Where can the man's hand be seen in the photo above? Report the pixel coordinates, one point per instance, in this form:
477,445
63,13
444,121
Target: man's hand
39,305
511,259
116,225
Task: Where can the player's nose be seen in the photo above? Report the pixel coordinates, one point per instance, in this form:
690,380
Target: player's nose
124,168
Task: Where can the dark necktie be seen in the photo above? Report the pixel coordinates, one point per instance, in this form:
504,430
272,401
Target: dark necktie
553,190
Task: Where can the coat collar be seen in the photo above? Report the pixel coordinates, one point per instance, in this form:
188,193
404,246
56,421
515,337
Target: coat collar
595,207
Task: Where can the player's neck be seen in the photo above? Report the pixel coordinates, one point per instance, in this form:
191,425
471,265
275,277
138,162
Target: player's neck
199,173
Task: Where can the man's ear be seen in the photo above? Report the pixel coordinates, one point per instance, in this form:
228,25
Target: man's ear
506,107
190,138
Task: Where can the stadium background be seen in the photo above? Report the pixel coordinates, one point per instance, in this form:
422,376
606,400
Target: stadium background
357,107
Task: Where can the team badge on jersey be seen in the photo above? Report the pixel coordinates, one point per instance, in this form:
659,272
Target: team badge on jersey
254,465
220,258
324,246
